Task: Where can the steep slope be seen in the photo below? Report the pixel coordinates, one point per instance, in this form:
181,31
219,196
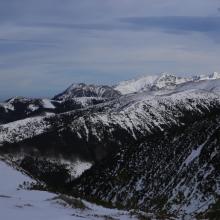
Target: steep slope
176,172
144,139
90,135
136,116
20,108
18,203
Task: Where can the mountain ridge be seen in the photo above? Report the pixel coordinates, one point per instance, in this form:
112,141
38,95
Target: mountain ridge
161,81
174,122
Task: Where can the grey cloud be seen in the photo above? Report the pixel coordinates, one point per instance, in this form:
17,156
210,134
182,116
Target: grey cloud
47,44
171,24
176,23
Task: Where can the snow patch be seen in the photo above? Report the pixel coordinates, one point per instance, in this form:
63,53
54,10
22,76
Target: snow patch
193,155
33,107
48,104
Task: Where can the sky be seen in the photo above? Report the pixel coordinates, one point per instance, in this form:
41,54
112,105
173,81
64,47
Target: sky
46,45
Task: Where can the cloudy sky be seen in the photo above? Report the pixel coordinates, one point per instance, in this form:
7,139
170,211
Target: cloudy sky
45,45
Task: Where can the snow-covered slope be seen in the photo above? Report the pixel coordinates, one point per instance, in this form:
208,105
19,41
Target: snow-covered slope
164,81
79,96
83,90
212,86
136,85
93,132
124,130
20,108
176,172
135,114
23,129
21,204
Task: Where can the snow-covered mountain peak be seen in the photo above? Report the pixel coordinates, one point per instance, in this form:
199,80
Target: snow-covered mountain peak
135,85
160,82
212,76
169,81
151,82
84,90
215,75
76,85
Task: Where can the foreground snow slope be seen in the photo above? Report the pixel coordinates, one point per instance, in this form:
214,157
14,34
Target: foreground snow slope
21,204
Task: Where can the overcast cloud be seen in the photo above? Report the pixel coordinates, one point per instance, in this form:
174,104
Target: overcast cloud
46,45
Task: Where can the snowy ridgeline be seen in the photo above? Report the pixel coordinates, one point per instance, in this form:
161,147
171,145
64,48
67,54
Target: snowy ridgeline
135,113
23,204
163,81
85,95
79,96
145,106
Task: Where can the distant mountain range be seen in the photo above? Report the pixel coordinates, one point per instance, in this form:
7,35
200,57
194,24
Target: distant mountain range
80,95
164,81
150,144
